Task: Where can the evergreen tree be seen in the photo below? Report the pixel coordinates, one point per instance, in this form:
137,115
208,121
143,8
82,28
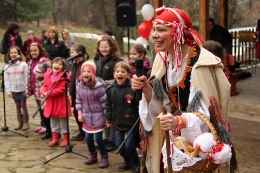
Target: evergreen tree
24,10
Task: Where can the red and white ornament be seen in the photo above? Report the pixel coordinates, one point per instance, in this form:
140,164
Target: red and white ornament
220,154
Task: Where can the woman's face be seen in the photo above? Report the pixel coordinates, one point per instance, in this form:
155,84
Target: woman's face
64,35
15,31
13,53
162,36
52,34
34,51
104,48
30,36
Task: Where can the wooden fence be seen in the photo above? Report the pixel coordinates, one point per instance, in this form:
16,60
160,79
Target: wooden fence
244,48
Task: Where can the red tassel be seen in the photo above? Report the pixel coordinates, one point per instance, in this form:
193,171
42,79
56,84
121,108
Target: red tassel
144,143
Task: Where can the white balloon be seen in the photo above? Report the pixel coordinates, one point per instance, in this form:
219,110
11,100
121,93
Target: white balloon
141,40
147,12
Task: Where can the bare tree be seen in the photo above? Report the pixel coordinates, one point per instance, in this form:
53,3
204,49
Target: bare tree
57,4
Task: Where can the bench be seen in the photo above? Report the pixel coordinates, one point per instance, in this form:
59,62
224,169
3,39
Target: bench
229,60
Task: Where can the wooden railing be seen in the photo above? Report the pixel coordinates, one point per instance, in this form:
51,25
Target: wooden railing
244,48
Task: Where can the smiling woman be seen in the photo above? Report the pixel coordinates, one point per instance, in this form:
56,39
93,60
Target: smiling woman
183,79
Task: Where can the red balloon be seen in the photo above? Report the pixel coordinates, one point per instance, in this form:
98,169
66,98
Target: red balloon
144,30
149,23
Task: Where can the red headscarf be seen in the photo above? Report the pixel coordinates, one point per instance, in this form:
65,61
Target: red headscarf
180,22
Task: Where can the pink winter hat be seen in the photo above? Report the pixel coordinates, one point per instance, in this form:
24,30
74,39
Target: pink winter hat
41,68
92,66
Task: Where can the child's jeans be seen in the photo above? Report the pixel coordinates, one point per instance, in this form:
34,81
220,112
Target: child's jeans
128,150
99,141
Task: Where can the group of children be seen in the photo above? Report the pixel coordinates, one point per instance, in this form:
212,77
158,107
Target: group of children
99,100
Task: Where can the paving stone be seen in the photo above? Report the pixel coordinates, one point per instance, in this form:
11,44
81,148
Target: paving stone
2,156
5,146
60,170
4,170
29,170
34,145
9,164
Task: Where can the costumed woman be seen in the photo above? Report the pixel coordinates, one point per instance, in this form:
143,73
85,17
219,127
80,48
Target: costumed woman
182,71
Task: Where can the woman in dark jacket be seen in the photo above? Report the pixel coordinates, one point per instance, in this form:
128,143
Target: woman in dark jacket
53,46
11,38
106,56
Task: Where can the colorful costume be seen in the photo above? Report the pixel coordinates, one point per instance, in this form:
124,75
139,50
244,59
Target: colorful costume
175,86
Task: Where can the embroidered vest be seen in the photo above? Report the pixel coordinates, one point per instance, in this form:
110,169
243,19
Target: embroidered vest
184,83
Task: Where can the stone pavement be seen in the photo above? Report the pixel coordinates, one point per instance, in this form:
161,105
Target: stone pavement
26,155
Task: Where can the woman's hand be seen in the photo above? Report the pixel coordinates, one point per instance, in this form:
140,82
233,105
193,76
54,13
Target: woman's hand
139,82
167,121
142,83
9,95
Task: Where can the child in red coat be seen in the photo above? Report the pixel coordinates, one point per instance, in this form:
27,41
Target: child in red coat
56,102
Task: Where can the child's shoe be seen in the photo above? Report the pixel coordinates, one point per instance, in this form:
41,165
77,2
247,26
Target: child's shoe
91,158
124,167
135,170
37,129
55,139
64,143
104,161
43,130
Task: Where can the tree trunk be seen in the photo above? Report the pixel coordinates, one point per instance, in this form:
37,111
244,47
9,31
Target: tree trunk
2,14
55,18
120,42
38,23
15,7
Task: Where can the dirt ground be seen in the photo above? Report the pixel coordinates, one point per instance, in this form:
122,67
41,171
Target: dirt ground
246,139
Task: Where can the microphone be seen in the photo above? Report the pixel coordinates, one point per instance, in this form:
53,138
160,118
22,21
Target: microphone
16,58
139,72
74,56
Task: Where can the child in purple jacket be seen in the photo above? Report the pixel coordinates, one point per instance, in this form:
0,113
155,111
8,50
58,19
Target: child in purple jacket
138,51
90,104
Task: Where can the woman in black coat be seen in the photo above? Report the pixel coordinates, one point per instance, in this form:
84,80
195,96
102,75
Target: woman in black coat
53,46
11,38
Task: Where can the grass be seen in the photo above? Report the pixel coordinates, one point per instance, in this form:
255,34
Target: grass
89,44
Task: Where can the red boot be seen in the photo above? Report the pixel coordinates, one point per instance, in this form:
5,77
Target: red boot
65,140
55,139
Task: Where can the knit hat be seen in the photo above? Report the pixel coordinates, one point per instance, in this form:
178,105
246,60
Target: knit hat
92,66
41,68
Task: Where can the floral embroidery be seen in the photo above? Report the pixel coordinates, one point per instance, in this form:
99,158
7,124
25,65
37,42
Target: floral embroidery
172,91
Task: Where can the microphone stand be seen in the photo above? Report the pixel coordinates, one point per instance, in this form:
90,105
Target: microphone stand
68,148
121,145
5,127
